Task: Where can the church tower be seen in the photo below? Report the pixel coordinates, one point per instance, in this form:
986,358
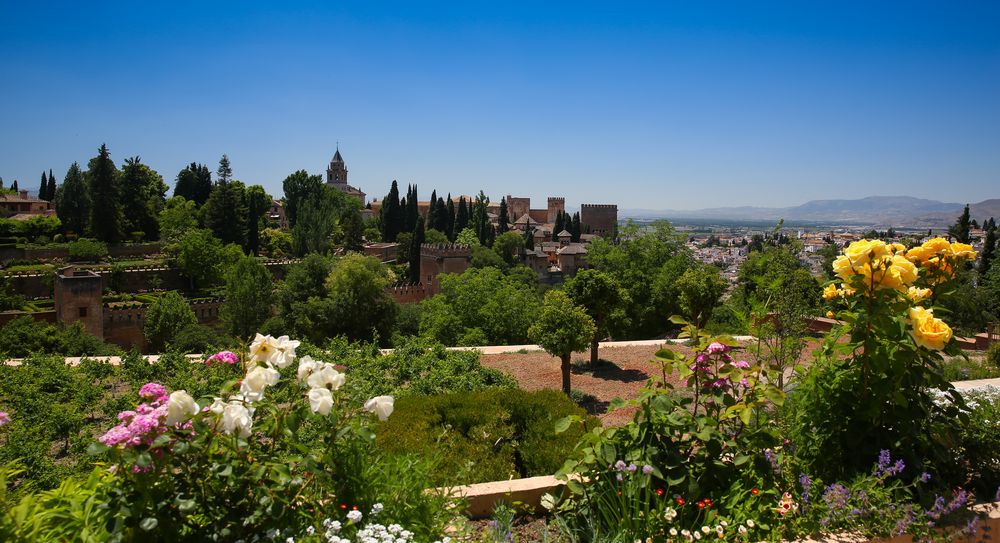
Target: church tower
336,173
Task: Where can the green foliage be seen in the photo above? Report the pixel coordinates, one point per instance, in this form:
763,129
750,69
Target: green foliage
960,230
502,307
143,192
70,512
602,297
508,247
225,213
276,243
73,202
562,328
87,250
319,220
435,237
981,441
700,288
299,188
25,336
203,259
249,290
195,338
104,182
167,316
993,354
467,236
36,228
194,183
391,214
647,262
179,216
489,435
258,203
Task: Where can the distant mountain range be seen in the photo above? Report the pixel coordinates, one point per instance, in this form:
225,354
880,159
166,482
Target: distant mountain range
898,211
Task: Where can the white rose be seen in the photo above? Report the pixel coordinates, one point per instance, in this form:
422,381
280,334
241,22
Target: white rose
326,377
264,349
286,351
320,401
236,419
306,366
381,406
256,380
180,407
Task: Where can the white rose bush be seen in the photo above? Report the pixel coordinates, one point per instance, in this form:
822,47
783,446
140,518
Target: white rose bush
277,451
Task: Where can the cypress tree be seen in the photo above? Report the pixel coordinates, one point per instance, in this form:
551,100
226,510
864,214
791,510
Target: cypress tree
415,243
13,186
412,215
73,202
576,227
450,226
440,216
503,221
986,257
529,238
391,214
50,191
558,227
43,187
461,216
432,210
106,216
961,227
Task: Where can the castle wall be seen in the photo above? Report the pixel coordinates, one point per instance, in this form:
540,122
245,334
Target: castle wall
517,207
556,206
602,219
407,293
442,258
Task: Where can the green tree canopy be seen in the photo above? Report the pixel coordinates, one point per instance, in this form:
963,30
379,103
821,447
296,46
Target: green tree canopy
225,212
179,216
194,183
203,259
73,202
300,187
104,181
166,316
143,198
601,296
249,290
701,287
562,329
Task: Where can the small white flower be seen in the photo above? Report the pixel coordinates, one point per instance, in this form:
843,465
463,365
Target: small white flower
310,530
306,366
670,514
256,380
285,351
705,530
377,508
264,349
180,407
673,532
718,529
236,419
742,529
272,533
723,523
697,535
749,523
381,406
354,516
326,377
320,401
290,540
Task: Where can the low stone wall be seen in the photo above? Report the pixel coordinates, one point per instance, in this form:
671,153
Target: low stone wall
40,316
117,251
407,293
123,323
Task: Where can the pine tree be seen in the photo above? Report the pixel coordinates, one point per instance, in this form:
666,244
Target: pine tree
50,191
226,213
104,180
503,221
450,227
461,217
960,230
391,214
415,243
225,172
73,202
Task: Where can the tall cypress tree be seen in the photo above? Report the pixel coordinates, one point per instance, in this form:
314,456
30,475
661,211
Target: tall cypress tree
73,202
961,227
503,221
43,187
987,255
391,214
558,227
431,219
106,216
461,216
450,227
529,238
13,186
440,215
50,191
415,243
412,215
576,227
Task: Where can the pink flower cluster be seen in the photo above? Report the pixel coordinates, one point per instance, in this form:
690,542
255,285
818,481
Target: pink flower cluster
4,418
226,357
142,426
708,363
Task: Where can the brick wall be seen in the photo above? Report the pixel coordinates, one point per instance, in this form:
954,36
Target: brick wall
602,219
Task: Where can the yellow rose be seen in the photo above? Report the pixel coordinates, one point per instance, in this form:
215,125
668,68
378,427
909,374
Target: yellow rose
937,245
919,254
831,292
918,294
842,267
830,314
897,248
860,251
904,268
928,332
963,250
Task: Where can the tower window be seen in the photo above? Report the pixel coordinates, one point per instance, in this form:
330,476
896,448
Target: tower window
83,311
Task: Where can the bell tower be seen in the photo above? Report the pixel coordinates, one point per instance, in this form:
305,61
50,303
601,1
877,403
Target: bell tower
336,172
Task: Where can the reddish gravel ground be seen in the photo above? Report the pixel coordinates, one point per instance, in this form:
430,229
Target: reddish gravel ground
629,370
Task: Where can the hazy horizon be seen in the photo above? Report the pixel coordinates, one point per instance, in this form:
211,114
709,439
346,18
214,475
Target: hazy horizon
657,106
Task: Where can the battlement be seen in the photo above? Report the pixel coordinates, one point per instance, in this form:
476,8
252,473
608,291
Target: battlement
599,206
445,250
406,293
556,199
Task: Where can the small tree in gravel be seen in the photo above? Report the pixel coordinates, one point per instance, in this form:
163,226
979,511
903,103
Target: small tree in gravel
562,329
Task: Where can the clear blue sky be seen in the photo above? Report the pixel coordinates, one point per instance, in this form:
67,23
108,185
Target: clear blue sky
661,105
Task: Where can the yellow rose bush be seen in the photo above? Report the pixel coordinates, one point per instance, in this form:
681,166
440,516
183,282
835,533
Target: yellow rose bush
875,380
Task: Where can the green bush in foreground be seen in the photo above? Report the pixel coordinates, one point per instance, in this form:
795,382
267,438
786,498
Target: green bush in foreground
489,435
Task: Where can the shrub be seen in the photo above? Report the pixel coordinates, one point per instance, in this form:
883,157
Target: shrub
484,436
993,354
89,250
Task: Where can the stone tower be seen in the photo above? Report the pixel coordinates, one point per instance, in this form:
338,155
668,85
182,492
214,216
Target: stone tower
557,205
79,298
436,259
336,172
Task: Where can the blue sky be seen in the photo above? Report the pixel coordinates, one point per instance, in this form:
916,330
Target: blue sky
661,105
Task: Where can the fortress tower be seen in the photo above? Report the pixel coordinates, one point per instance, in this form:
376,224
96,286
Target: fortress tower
557,205
600,219
79,298
436,259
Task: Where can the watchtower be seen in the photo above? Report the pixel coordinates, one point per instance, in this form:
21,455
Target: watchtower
79,298
557,205
438,258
